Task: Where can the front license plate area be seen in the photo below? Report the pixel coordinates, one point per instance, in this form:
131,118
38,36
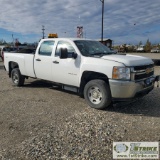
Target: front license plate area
148,82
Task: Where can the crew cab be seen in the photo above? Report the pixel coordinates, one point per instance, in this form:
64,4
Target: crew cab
86,67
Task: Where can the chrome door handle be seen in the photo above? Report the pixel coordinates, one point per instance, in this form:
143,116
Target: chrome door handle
56,62
38,59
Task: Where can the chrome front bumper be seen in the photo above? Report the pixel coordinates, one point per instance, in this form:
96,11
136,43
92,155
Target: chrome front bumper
122,90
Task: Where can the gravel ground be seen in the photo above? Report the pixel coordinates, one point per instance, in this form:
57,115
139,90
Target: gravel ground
39,121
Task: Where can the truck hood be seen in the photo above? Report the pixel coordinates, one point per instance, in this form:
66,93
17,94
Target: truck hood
129,60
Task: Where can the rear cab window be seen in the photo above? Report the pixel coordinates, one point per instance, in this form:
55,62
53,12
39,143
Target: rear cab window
46,48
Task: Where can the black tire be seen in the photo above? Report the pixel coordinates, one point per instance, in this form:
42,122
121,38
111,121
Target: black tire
17,78
97,94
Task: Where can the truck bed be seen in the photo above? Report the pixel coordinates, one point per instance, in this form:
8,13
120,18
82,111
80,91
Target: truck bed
24,60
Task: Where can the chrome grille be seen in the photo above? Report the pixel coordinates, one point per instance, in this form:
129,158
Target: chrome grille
142,72
137,68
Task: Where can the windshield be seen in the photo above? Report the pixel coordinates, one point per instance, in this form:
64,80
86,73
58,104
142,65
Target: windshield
92,48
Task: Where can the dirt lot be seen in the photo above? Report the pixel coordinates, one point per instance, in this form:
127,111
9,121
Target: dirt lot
39,121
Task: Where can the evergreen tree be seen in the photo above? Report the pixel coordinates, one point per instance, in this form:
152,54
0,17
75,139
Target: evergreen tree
3,42
140,43
148,46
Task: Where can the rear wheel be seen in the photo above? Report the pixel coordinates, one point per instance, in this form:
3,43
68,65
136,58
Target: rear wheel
97,94
17,78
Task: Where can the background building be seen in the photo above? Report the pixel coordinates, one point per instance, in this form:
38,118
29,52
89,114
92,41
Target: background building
107,42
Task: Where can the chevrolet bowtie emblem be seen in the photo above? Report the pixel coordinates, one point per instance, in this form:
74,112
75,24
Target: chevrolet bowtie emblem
148,70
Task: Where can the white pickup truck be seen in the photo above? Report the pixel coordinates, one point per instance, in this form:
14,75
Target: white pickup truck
86,67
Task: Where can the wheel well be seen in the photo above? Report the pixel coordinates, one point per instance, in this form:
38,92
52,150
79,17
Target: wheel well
12,65
90,75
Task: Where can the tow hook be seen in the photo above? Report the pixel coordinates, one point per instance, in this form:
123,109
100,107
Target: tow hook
157,80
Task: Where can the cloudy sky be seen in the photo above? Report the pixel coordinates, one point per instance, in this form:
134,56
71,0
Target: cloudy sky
125,21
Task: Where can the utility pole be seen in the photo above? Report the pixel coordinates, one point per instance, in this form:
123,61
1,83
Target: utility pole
43,31
13,40
102,19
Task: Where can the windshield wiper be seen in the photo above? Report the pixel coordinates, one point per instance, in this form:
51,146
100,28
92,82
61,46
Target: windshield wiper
98,53
111,52
102,54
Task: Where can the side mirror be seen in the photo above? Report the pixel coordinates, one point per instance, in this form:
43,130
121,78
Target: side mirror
74,55
63,53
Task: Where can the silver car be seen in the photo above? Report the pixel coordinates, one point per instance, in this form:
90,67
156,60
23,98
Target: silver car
155,50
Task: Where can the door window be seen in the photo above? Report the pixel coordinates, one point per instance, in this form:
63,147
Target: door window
64,44
46,48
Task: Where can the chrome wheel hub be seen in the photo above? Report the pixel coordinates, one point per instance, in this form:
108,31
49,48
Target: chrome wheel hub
15,78
95,95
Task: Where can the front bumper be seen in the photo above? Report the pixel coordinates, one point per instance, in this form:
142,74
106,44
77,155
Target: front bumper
126,90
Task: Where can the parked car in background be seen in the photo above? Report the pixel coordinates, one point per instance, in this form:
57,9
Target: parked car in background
155,50
140,48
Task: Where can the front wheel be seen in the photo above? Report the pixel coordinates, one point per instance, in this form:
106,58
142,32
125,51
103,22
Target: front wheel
97,94
17,78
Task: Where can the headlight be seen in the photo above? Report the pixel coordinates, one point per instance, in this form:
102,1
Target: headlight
121,73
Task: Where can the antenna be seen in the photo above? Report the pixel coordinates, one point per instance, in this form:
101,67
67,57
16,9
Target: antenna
43,32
